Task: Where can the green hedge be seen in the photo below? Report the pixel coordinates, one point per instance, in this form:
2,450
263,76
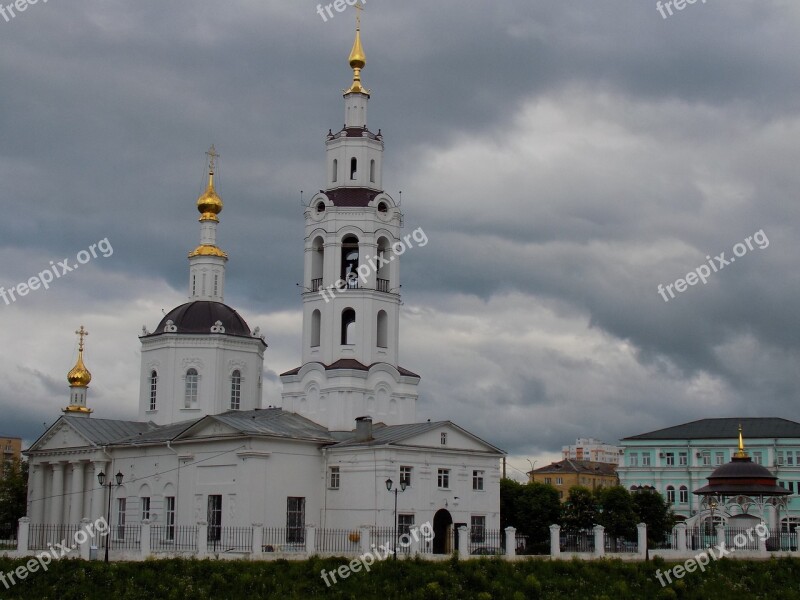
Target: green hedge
489,579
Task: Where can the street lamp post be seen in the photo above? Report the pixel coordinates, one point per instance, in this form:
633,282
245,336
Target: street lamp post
389,484
101,478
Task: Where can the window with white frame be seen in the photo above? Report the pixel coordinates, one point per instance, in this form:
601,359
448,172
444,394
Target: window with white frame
670,459
333,479
169,503
684,497
719,458
145,507
683,458
405,476
559,481
477,529
153,389
190,394
122,506
790,458
633,459
236,390
404,523
779,457
670,494
477,480
757,458
705,457
443,479
295,520
548,480
645,459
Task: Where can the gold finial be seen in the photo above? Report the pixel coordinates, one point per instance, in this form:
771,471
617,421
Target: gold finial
80,376
209,204
357,59
741,453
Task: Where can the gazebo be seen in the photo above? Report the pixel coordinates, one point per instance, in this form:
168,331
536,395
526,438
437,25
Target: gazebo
741,486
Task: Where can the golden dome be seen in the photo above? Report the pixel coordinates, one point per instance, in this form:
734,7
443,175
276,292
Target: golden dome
207,250
79,376
209,204
358,60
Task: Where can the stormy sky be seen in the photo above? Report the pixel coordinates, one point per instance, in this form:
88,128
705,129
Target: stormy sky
563,158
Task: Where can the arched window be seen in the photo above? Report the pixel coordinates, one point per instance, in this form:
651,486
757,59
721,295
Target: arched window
316,322
236,390
353,168
348,327
372,171
190,396
335,172
684,495
382,277
383,329
350,261
317,263
153,389
670,494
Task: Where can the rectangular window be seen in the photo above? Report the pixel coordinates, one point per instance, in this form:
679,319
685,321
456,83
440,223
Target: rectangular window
719,458
153,390
170,517
444,479
645,459
296,520
477,529
670,459
705,458
633,459
214,518
404,523
790,458
236,390
757,458
122,505
405,476
671,495
145,508
559,481
548,480
684,495
334,478
779,457
791,486
683,459
477,480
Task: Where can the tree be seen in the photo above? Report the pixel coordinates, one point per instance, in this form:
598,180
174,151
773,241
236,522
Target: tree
510,492
538,508
13,492
580,510
652,509
617,512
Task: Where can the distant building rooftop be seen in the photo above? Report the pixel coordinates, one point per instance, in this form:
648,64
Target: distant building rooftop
725,428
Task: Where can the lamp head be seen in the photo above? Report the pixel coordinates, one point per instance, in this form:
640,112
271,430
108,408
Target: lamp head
101,478
389,484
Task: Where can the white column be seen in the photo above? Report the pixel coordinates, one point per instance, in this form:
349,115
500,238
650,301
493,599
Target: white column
36,511
57,495
202,539
511,541
85,540
311,540
76,494
23,536
599,540
680,532
258,540
364,539
463,542
555,541
145,539
99,507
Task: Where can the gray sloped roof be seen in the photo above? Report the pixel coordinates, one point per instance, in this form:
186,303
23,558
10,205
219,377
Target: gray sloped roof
726,428
274,422
383,435
106,431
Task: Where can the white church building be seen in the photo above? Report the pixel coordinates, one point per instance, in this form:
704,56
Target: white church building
203,448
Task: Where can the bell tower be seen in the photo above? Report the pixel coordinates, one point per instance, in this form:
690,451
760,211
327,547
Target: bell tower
351,297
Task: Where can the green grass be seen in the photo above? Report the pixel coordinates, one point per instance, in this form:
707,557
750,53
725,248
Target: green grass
489,579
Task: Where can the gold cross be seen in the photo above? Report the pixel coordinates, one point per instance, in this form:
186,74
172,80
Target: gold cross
212,156
359,8
82,333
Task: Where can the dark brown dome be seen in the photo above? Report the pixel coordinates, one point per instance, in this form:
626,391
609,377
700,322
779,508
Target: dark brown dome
201,315
742,476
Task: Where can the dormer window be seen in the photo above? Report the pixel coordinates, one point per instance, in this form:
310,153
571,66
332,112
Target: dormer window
444,439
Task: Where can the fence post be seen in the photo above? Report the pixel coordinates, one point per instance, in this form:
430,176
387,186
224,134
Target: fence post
144,542
720,534
555,541
85,545
363,539
762,542
680,535
511,541
641,529
24,535
258,540
463,542
311,540
797,534
599,540
202,538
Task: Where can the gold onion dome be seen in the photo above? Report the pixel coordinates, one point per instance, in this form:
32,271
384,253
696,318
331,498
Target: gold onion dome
358,60
79,376
209,204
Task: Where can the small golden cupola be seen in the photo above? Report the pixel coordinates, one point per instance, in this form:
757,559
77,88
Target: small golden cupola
209,203
79,378
357,59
